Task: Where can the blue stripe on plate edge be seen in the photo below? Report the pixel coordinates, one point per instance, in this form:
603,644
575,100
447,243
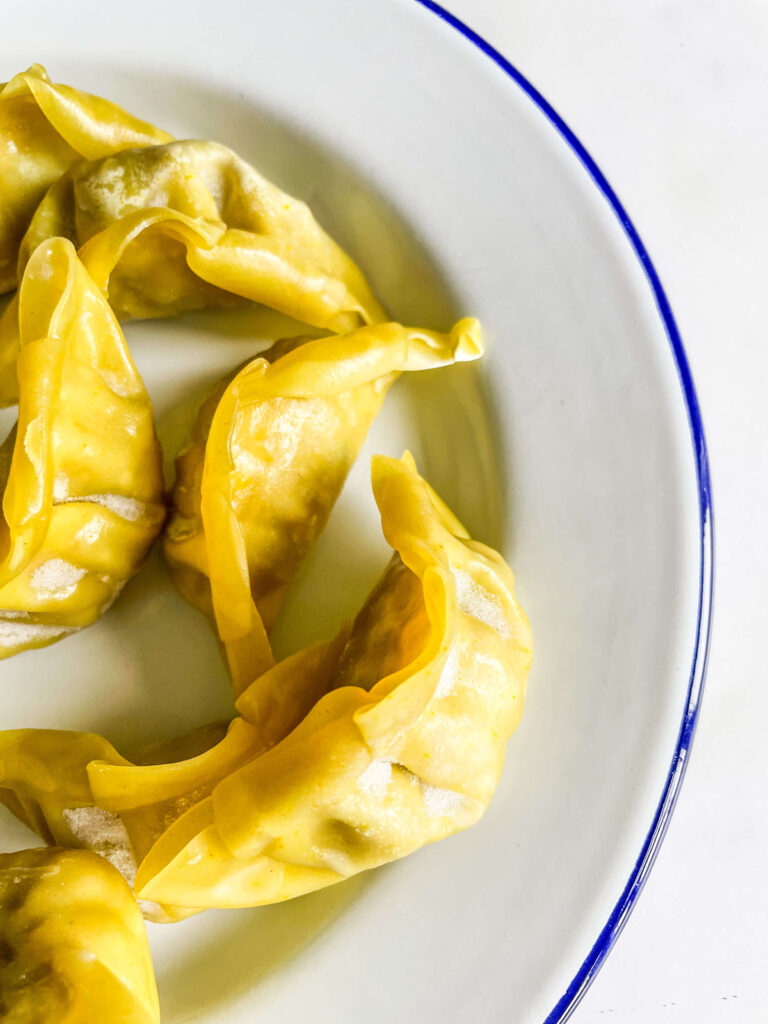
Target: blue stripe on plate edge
626,901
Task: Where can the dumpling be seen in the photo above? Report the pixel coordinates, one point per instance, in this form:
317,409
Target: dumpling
44,129
344,756
73,947
75,790
44,781
403,743
189,225
81,473
405,748
266,460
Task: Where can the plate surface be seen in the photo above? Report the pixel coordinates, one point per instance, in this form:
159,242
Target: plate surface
458,190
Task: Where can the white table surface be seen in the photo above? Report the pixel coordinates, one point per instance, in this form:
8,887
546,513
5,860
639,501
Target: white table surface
671,99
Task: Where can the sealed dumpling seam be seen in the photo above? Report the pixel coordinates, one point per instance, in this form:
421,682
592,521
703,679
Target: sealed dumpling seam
81,473
407,745
267,458
44,129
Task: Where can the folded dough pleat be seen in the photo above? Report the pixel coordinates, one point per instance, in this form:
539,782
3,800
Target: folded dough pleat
44,129
405,748
75,790
267,458
73,947
344,756
81,472
189,225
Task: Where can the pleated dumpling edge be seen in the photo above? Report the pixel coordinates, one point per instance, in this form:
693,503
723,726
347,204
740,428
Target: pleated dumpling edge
405,748
83,494
44,129
266,460
189,225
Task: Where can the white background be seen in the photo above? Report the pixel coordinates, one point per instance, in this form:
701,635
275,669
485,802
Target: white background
671,99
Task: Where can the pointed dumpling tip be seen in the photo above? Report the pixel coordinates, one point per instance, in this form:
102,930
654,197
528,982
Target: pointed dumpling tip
385,467
38,70
408,461
467,336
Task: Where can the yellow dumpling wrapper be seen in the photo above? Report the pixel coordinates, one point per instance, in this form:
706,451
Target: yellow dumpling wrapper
189,225
73,947
44,129
344,756
81,473
44,782
266,460
76,791
405,748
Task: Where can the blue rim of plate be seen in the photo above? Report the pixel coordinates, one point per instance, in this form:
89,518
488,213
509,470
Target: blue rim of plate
626,901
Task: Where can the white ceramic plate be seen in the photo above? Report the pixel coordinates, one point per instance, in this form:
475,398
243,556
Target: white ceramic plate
577,448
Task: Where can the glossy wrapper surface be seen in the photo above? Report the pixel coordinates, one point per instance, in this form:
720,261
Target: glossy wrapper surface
74,948
44,129
345,756
189,225
266,461
81,472
75,790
